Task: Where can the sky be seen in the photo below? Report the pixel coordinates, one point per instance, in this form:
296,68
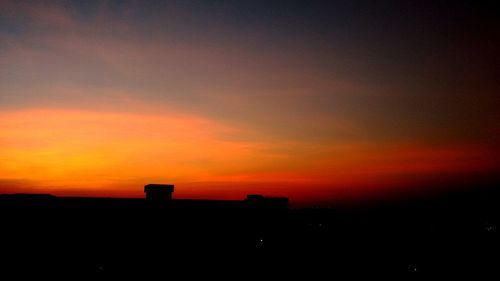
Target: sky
319,101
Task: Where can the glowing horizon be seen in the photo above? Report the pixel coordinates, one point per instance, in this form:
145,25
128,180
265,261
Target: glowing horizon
96,153
100,98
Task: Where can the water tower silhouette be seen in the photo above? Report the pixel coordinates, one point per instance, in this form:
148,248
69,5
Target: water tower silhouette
158,193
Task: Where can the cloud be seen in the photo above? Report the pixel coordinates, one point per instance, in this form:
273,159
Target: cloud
9,185
40,13
114,153
71,147
96,97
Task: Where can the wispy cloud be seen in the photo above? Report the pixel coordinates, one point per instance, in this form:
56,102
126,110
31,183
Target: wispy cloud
95,94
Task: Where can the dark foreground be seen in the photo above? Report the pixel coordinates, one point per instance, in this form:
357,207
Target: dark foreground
452,235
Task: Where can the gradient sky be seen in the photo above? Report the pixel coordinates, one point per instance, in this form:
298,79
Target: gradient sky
319,101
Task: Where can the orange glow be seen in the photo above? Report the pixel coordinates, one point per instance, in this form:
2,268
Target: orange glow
74,148
72,152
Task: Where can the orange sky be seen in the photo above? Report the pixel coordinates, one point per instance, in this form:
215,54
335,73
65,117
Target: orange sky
76,152
314,102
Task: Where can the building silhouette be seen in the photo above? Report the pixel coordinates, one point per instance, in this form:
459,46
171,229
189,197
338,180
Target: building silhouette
158,193
155,195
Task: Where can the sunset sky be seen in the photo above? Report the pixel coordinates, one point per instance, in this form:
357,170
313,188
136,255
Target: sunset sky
315,100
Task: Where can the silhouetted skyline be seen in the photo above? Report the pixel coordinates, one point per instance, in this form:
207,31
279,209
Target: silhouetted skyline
449,235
